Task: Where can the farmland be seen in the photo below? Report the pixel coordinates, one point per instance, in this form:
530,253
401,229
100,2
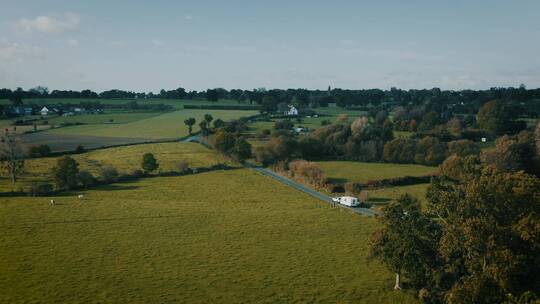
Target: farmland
360,172
188,240
124,159
168,125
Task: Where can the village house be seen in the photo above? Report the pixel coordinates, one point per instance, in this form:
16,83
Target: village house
293,111
44,111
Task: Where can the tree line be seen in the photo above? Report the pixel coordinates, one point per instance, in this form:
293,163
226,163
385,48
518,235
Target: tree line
458,101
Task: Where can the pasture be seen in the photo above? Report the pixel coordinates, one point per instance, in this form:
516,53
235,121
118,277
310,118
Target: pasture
384,196
124,159
164,126
206,238
361,172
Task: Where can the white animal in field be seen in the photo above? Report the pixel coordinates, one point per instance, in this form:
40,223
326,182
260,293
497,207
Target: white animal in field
53,202
80,196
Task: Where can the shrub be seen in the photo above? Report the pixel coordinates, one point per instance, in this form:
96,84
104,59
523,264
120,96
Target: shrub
149,163
87,179
353,187
80,149
108,174
40,151
66,173
307,172
137,173
41,189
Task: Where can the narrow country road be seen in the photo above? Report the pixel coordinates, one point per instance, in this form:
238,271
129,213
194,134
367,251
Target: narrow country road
291,183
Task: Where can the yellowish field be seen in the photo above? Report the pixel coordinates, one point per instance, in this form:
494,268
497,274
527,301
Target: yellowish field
220,237
124,159
168,125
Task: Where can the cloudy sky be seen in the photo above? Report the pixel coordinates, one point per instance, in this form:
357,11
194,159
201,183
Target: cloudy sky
149,45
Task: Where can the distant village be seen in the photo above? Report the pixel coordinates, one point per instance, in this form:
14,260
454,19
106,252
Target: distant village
61,110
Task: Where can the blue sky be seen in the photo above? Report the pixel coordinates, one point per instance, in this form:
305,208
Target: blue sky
149,45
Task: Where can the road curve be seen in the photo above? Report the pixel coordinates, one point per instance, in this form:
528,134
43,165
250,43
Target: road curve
291,183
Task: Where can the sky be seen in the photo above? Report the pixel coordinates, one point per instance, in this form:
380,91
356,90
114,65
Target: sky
150,45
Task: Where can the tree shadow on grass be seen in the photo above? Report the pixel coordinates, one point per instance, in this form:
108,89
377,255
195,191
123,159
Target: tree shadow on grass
337,180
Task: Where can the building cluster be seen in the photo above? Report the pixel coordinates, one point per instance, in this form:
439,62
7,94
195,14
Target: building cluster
62,110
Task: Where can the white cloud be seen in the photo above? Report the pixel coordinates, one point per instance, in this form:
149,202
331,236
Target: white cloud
68,22
15,53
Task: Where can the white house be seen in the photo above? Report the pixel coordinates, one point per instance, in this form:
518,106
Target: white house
293,111
44,111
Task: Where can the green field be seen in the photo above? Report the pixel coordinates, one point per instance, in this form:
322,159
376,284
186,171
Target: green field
381,197
349,171
124,159
220,237
117,117
168,125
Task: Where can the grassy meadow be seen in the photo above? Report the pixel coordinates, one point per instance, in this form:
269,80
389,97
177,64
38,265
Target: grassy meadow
168,125
361,172
384,196
218,237
124,159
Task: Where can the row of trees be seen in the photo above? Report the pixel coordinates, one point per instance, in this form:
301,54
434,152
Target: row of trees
464,101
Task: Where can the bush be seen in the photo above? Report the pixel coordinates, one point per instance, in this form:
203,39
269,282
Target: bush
353,187
66,173
41,189
241,149
307,172
137,173
79,149
87,179
109,174
149,163
40,151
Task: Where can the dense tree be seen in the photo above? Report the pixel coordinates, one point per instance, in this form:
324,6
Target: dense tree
405,243
212,95
190,122
430,151
242,149
400,150
208,118
429,121
203,125
490,242
514,153
493,116
66,173
463,147
149,163
223,141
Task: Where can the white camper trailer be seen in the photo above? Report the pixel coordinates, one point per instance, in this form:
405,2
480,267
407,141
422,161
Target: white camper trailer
347,201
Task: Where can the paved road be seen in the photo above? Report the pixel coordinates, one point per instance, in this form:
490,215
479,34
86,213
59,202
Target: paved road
291,183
